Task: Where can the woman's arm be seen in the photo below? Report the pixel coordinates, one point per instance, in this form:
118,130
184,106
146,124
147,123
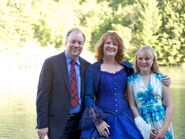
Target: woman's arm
89,96
169,111
92,112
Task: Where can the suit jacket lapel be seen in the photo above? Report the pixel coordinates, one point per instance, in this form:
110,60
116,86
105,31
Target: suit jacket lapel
64,70
82,74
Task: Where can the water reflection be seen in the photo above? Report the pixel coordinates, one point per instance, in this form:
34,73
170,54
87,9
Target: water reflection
17,102
18,93
17,118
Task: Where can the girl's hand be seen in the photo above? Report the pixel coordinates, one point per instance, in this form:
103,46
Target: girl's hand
153,133
160,134
103,129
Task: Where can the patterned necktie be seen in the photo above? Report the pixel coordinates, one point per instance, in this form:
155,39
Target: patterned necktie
73,85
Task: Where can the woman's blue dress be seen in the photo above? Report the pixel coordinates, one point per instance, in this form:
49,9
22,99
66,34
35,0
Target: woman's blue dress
111,101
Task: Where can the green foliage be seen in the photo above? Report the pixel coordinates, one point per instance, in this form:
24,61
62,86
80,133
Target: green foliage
116,3
96,34
150,21
172,33
159,23
42,32
95,18
15,22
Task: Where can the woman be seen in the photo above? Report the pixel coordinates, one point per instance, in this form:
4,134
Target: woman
107,113
149,99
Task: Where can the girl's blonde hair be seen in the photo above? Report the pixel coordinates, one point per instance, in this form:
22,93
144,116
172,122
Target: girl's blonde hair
149,52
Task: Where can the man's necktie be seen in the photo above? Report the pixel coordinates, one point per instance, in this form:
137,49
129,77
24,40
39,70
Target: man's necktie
73,85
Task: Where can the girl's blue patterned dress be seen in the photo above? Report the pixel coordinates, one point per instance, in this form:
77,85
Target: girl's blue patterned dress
149,101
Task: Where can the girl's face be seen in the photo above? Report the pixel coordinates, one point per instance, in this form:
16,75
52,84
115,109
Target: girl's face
144,61
110,48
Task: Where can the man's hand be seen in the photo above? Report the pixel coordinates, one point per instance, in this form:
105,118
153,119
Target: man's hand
166,80
42,132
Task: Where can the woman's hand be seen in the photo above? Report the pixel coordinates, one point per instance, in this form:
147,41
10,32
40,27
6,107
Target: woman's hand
103,129
166,80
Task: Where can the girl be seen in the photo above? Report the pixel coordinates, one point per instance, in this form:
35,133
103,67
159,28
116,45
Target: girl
149,99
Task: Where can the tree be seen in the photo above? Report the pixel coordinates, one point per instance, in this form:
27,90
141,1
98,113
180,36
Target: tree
149,22
172,33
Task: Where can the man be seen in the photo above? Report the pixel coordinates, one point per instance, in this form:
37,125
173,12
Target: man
61,89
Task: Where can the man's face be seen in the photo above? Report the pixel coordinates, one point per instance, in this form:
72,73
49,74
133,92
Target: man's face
74,44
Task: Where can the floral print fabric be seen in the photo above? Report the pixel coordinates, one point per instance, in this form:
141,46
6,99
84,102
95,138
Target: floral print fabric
149,100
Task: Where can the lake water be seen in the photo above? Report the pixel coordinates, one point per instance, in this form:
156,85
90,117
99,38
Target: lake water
18,93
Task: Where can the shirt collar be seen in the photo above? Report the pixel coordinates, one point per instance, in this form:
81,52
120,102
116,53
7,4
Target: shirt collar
69,58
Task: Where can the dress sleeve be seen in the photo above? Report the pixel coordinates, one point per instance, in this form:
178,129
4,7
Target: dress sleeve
159,76
130,80
89,87
128,67
92,114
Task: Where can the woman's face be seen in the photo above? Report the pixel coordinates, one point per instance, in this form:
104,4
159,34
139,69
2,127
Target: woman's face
110,48
144,62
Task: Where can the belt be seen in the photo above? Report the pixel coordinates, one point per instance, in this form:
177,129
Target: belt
74,116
